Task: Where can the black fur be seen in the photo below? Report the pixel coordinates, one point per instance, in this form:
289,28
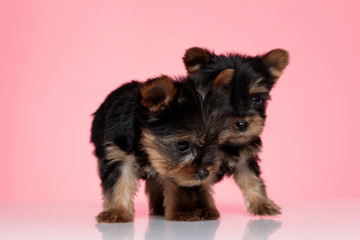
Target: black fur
246,70
198,113
248,91
116,119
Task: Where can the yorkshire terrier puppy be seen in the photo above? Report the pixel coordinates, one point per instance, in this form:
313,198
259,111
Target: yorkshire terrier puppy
164,131
250,82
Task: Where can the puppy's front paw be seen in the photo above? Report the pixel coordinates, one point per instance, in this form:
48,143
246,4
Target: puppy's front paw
209,214
115,216
195,215
264,207
157,211
189,215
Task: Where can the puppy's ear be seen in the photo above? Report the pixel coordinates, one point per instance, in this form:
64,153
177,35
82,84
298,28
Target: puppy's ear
157,93
195,58
276,61
224,78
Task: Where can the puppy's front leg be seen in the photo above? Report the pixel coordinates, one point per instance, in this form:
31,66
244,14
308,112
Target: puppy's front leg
207,204
119,184
154,189
253,188
189,203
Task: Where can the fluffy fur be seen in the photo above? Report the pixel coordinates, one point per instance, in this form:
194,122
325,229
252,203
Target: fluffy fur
164,131
252,79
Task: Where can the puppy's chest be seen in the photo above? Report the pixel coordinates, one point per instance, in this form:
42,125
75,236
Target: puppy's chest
145,171
233,156
143,167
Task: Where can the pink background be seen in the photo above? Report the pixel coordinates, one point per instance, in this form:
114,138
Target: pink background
59,59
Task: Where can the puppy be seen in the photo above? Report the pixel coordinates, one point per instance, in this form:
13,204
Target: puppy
249,86
164,131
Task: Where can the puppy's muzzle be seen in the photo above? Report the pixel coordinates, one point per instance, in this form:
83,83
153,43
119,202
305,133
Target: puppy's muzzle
242,125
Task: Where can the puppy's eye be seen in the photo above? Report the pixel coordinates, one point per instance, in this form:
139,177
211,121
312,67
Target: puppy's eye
182,145
257,101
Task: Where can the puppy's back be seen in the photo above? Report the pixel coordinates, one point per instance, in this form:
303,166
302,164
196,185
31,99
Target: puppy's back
115,118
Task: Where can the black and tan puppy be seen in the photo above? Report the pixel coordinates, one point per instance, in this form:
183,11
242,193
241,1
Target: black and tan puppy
249,86
165,132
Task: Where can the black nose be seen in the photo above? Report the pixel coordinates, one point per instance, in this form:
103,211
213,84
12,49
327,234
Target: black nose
203,173
242,125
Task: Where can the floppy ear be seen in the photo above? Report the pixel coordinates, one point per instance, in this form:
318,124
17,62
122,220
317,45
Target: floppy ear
276,61
195,58
157,93
224,78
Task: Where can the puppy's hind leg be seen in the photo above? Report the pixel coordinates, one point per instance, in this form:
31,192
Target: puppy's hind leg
247,177
119,184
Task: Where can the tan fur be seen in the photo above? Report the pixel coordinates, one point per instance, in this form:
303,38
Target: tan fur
115,215
253,188
256,87
118,204
170,199
224,78
256,125
189,204
276,60
113,153
125,187
162,84
157,161
208,202
186,175
233,136
154,189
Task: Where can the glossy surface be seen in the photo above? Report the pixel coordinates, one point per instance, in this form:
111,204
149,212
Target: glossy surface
75,220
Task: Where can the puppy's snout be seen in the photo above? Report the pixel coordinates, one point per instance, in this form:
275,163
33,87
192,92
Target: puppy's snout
203,173
242,125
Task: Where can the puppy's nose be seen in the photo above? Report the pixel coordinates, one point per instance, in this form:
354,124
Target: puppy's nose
203,173
242,125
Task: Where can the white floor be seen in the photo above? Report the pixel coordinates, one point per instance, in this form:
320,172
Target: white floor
336,219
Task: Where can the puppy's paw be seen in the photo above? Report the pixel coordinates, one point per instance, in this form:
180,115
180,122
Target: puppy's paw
195,215
115,216
189,215
263,207
209,214
157,211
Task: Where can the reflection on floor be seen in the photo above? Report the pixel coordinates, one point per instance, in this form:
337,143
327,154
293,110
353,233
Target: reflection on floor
160,229
61,220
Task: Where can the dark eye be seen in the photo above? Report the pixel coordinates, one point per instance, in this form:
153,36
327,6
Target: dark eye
257,101
182,145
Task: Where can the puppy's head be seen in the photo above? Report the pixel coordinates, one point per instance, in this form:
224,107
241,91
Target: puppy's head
248,90
181,131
